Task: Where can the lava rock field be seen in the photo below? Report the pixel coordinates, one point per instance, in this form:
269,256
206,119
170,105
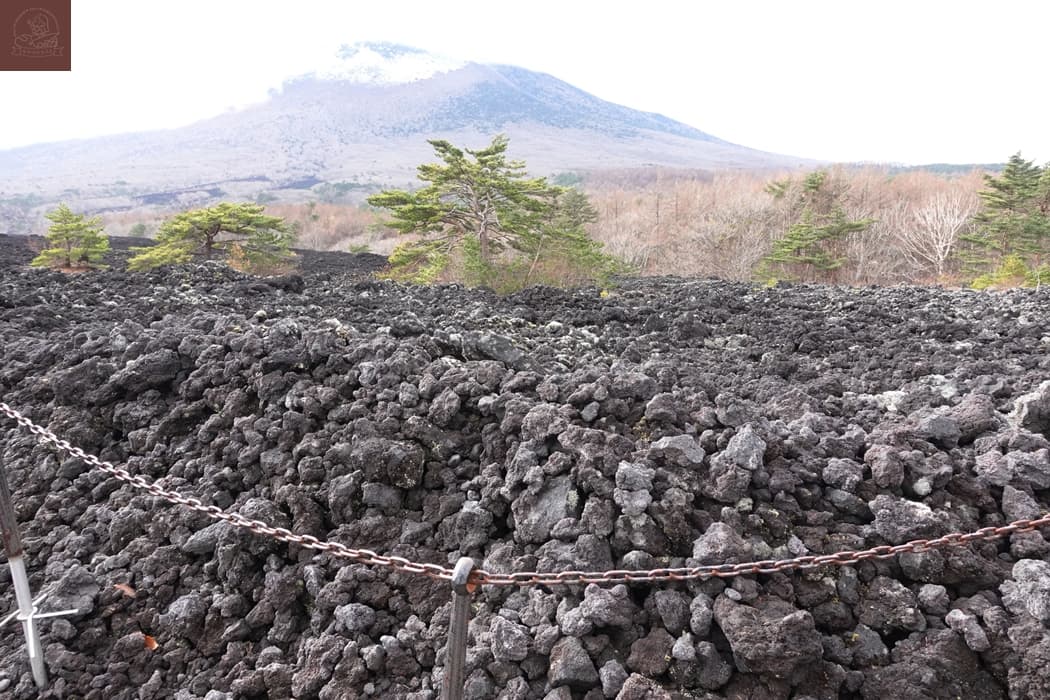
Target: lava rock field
664,423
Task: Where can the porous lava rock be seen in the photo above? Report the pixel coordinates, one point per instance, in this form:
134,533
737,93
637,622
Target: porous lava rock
668,423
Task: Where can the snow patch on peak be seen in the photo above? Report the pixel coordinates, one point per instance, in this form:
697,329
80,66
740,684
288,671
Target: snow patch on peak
381,63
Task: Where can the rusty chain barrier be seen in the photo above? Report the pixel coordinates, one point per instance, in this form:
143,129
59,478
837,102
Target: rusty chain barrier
360,556
530,578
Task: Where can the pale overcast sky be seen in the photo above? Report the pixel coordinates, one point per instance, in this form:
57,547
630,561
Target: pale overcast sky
914,81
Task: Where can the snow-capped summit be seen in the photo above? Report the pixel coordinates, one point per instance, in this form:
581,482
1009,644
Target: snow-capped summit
364,116
382,63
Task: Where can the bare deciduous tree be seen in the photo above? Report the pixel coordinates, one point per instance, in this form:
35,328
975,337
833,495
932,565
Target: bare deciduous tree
726,244
931,234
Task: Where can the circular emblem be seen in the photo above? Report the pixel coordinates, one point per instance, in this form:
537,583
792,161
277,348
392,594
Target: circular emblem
36,33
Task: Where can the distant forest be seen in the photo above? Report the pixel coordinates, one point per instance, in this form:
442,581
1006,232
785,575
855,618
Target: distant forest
853,225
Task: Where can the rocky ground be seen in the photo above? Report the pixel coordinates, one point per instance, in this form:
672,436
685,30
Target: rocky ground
666,423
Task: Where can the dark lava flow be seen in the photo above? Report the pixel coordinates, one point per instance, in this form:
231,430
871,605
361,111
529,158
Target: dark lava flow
669,422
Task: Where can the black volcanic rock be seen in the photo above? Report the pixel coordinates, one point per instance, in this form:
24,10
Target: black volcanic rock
529,433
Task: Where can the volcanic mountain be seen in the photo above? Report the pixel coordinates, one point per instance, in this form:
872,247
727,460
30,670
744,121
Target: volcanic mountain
365,119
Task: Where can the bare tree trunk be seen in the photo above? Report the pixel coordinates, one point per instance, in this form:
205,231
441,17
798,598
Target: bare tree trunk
483,239
209,243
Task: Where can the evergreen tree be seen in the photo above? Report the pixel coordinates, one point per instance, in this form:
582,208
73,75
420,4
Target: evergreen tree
804,251
573,209
561,251
479,217
241,230
75,242
1015,219
811,247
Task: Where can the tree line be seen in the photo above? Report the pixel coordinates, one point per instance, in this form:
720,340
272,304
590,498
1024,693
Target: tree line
1005,242
839,225
479,218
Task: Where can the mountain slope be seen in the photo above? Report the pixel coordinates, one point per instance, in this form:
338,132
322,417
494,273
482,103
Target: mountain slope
366,118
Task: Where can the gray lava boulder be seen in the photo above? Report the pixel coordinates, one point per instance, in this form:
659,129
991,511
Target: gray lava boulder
966,624
745,449
726,482
612,675
682,450
770,643
975,415
1029,592
651,655
887,468
492,346
78,589
354,618
139,375
721,544
394,462
1032,410
1031,677
867,647
444,408
608,607
541,506
185,616
638,687
935,664
510,641
898,520
887,604
571,665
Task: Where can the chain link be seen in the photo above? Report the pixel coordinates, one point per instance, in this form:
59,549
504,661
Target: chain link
531,578
767,566
361,556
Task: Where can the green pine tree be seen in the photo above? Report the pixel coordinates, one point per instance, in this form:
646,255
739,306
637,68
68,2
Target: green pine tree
479,218
811,248
240,230
1014,222
75,241
562,252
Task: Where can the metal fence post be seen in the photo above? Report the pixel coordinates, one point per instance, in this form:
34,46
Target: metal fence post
27,611
456,650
